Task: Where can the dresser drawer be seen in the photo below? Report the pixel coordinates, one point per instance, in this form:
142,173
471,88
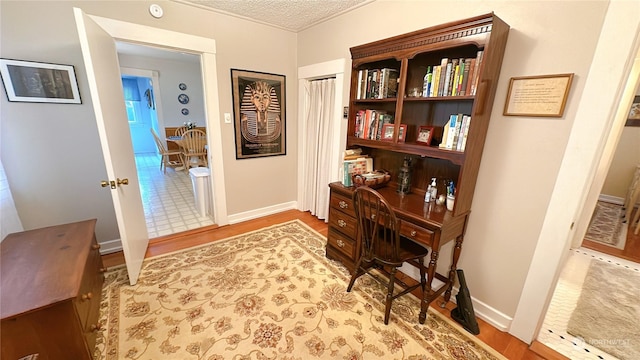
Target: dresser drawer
416,233
343,244
342,203
343,223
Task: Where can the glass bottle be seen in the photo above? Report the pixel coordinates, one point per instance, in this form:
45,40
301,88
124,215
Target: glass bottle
404,177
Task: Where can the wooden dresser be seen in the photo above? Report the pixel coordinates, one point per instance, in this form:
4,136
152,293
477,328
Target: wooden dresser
51,281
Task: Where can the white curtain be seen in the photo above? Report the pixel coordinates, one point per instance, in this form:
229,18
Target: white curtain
320,101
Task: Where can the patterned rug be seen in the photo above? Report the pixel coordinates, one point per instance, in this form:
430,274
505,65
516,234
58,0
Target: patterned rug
267,294
606,225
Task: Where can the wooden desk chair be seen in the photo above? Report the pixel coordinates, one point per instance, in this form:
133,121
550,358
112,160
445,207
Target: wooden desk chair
382,246
166,161
194,148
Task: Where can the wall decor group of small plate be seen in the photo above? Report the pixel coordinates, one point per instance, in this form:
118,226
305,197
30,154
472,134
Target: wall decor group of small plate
183,98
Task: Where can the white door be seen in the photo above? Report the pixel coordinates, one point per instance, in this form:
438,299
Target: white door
103,74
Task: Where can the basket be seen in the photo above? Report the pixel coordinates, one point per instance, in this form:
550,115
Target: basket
374,180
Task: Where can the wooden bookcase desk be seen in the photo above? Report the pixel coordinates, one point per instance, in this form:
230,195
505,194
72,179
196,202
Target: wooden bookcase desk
411,54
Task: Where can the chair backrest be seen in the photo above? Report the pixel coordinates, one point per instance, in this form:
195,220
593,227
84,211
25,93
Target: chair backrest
378,227
159,143
194,141
181,130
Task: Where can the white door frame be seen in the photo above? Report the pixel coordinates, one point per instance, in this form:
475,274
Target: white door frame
335,69
206,48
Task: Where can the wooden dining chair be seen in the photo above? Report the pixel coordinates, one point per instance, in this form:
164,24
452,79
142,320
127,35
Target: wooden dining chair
382,246
180,131
194,148
166,161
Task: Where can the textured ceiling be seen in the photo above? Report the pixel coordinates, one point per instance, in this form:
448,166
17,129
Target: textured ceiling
292,15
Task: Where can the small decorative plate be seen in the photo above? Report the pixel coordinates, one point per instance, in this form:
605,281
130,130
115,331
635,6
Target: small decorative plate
185,111
183,99
182,86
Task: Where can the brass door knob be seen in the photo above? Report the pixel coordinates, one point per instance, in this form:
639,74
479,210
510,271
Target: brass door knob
123,181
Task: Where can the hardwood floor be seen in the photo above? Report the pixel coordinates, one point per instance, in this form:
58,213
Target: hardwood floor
631,249
504,343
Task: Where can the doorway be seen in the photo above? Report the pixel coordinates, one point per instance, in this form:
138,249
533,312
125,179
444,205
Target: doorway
167,195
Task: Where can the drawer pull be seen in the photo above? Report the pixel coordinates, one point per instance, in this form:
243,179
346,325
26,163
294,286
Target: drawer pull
343,204
87,296
340,243
102,270
341,223
413,233
95,246
96,327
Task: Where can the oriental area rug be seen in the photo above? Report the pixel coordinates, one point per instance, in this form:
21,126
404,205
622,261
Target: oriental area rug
606,226
607,313
267,294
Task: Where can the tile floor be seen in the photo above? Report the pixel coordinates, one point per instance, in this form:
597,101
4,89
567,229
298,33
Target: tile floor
554,328
168,201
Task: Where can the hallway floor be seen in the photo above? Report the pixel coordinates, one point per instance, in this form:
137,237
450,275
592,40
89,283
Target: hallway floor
553,332
168,201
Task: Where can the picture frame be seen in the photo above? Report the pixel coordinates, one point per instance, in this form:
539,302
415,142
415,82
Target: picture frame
634,113
259,113
402,133
387,132
425,133
540,96
38,82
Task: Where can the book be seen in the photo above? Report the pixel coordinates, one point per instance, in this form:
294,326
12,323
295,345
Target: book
354,166
452,128
360,83
383,119
443,71
447,79
389,83
359,123
474,84
464,77
465,133
472,66
456,79
445,135
456,131
436,81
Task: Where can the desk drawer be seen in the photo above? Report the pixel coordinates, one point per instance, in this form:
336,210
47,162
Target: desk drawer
342,203
343,223
343,244
416,233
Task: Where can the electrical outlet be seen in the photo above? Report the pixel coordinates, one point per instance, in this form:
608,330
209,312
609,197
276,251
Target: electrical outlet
227,118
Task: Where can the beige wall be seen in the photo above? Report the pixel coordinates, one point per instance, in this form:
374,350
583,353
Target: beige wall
522,154
52,153
625,160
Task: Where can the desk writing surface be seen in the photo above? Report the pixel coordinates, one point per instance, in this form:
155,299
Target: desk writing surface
412,208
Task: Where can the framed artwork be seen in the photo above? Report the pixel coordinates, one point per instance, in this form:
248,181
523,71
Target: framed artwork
425,133
634,113
402,133
543,96
259,113
387,132
28,81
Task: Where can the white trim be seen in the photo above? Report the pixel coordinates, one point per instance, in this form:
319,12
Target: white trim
602,98
333,68
257,213
110,246
611,199
206,48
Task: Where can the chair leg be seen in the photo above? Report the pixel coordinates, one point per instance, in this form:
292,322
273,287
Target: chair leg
356,274
423,276
390,287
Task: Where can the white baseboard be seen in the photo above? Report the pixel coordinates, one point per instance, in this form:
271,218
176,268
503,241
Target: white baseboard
611,199
254,214
485,312
110,246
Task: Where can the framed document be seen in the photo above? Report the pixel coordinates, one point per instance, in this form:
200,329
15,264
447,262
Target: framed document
544,95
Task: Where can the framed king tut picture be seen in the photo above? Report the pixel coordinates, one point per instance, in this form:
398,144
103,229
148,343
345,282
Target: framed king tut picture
259,113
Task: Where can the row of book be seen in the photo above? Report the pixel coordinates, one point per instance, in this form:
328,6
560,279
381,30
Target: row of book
369,123
377,83
453,77
455,132
355,163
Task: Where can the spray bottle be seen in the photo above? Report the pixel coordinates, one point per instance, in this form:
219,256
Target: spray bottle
434,189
